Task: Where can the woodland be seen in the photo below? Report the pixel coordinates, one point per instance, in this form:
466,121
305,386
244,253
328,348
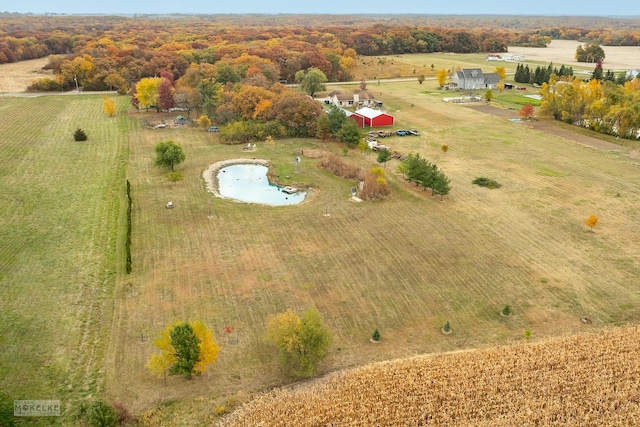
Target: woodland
232,68
142,46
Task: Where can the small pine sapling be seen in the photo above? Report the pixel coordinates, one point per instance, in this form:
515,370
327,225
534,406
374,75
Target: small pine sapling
506,310
446,329
376,335
80,135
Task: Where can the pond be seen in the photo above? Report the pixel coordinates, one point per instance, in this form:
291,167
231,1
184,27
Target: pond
249,183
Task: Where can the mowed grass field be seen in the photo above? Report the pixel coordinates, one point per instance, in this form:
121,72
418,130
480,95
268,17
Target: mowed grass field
404,265
59,250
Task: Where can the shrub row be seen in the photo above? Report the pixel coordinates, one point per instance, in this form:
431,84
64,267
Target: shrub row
128,244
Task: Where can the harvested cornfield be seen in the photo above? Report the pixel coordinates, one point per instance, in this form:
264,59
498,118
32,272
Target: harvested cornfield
584,380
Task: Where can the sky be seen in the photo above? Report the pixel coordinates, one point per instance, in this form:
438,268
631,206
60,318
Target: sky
337,7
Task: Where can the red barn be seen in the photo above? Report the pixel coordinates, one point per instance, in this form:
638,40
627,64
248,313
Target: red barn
368,117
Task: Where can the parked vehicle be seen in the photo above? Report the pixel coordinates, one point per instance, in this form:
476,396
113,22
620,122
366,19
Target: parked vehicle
401,132
414,132
373,134
213,129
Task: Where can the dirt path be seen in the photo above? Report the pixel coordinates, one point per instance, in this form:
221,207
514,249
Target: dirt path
549,127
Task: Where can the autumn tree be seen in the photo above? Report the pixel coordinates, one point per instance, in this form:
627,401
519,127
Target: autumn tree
204,122
147,92
166,95
527,112
186,348
444,148
168,154
311,81
441,77
302,342
116,82
421,78
109,106
297,113
77,71
501,72
252,102
592,221
591,52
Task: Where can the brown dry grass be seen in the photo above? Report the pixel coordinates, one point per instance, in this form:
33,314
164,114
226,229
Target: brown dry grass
16,76
404,265
563,52
586,380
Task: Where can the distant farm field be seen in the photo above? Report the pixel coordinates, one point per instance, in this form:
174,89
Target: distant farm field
404,265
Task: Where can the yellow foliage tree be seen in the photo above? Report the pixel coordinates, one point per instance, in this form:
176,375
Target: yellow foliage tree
283,330
109,106
262,108
592,221
302,342
441,76
204,122
160,364
147,91
501,72
348,62
208,347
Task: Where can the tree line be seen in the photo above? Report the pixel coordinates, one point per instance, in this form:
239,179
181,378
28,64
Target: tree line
210,38
541,74
601,105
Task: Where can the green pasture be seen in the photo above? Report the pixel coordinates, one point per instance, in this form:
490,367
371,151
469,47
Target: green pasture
60,255
74,324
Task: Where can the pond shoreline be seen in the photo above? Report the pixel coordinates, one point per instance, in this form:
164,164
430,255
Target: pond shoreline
210,174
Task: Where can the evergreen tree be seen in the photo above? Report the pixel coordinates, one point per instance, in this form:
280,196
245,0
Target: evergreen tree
440,183
518,75
337,117
187,347
609,76
598,72
526,75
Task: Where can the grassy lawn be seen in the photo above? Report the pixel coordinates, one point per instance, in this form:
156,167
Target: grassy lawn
405,265
59,256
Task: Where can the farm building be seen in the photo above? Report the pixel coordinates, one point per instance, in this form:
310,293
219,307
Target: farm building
357,99
368,117
474,78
